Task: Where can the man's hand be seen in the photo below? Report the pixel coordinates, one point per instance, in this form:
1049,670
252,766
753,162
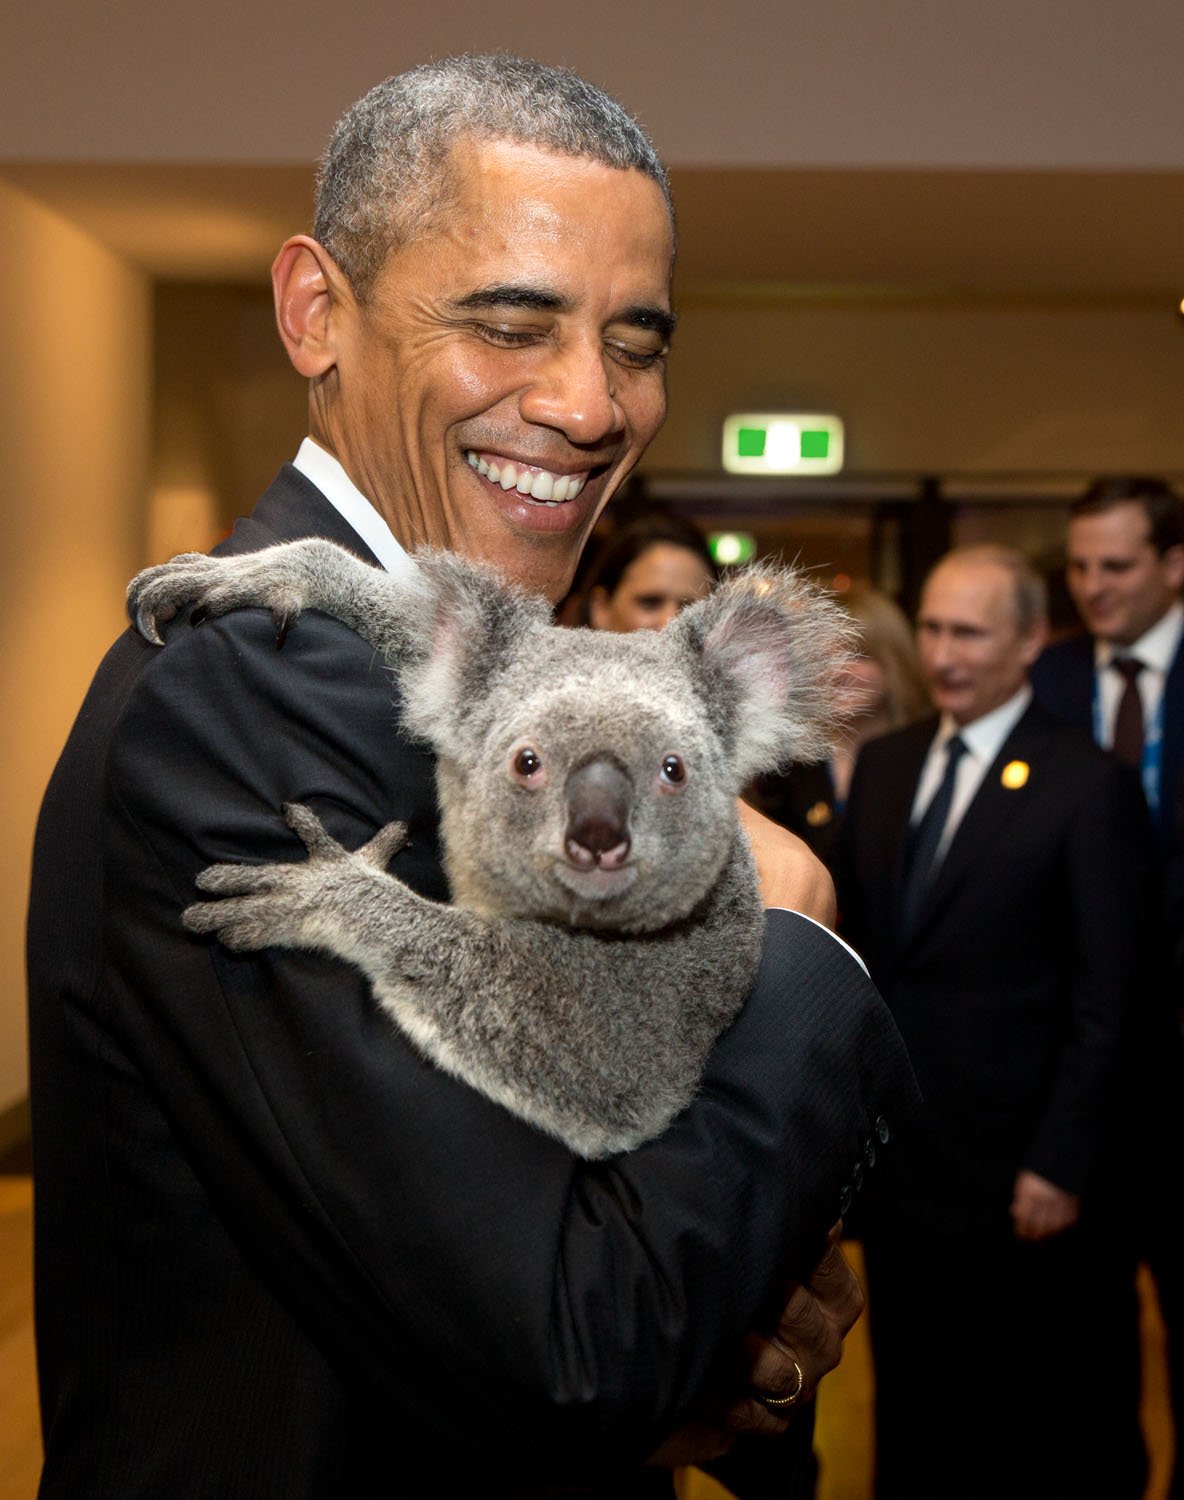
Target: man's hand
814,1322
1040,1209
810,1331
791,876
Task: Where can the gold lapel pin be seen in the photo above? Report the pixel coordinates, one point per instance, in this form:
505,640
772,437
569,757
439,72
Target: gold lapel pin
1015,775
819,815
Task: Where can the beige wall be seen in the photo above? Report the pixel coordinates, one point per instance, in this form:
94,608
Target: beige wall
937,389
74,386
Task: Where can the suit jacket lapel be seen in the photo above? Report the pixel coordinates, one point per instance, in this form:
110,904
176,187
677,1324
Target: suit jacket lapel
293,508
992,808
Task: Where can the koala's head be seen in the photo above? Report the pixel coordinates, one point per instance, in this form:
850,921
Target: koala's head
591,778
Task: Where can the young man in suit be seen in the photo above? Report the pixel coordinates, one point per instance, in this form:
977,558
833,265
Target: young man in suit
993,875
278,1254
1123,682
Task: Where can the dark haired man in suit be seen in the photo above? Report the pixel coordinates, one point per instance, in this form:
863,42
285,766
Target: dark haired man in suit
994,874
278,1254
1123,682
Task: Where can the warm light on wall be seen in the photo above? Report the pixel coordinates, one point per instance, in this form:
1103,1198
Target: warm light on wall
783,443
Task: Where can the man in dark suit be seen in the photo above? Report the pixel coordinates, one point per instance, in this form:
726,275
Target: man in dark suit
993,876
278,1254
1123,682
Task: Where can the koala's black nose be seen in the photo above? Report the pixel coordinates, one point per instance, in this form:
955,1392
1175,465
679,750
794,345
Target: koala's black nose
598,799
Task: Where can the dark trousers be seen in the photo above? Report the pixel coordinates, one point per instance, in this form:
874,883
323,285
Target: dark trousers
1004,1369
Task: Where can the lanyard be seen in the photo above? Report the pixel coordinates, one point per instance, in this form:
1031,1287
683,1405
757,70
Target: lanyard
1152,767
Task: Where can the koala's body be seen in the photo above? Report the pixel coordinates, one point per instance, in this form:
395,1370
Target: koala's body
606,920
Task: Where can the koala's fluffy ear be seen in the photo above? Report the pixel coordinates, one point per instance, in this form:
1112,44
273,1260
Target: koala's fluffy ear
772,650
463,621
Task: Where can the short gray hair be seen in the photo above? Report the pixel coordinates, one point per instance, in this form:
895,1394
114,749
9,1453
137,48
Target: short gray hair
381,173
1029,592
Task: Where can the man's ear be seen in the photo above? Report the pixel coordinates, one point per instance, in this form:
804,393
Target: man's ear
1035,639
308,288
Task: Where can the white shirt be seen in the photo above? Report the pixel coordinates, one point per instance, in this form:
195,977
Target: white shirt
318,465
983,738
1156,650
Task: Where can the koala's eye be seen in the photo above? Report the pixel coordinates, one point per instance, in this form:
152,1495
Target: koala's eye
526,766
674,773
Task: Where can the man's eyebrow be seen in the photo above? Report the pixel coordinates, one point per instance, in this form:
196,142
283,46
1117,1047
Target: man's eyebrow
537,299
655,319
511,294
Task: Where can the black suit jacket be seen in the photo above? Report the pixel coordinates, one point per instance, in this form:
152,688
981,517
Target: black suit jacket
1063,681
1016,987
279,1254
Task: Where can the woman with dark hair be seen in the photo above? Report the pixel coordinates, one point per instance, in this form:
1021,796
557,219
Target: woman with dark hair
651,568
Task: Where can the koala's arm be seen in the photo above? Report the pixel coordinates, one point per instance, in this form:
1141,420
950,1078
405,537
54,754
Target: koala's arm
286,579
598,1041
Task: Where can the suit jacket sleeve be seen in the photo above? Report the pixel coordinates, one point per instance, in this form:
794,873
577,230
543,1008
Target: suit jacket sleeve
426,1238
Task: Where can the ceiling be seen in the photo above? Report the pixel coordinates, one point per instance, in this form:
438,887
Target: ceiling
815,235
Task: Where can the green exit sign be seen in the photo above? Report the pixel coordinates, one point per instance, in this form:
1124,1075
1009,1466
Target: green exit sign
783,443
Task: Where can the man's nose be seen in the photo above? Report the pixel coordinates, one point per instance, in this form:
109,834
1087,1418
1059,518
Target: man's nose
572,392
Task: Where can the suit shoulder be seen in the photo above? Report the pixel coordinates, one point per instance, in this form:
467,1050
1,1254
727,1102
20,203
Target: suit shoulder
897,745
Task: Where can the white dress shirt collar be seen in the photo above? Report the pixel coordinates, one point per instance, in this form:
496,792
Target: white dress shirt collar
319,466
1155,649
985,737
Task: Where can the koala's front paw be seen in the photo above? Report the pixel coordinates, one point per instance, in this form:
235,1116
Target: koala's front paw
155,595
216,585
293,905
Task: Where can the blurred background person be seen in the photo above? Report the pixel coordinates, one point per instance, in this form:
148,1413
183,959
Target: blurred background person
650,568
995,874
890,688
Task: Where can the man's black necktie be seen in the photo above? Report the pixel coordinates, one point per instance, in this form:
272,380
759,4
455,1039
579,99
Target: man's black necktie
925,838
1128,726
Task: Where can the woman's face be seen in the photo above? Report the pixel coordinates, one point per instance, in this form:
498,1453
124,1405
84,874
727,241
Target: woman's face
652,590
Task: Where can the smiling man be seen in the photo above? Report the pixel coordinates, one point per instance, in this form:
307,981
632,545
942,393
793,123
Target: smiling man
994,873
278,1253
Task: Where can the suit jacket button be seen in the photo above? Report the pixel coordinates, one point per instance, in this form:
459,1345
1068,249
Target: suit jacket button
857,1176
869,1151
882,1130
846,1197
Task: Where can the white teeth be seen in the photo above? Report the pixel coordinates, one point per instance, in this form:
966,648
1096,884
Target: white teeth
534,484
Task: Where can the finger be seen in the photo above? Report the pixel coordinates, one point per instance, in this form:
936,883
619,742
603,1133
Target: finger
777,1372
836,1285
211,917
234,880
310,830
386,841
748,1417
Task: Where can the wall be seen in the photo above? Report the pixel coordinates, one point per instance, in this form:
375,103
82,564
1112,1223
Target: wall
939,389
1075,83
74,386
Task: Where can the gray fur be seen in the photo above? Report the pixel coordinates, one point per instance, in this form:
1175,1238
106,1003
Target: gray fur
607,920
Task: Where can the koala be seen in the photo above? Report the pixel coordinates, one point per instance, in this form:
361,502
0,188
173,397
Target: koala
606,919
